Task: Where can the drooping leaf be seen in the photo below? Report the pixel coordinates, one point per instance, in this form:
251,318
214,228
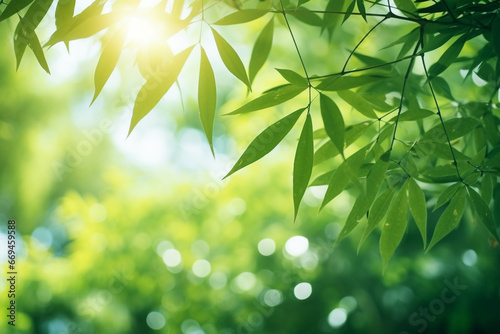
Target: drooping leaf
448,57
207,96
377,213
455,127
270,99
495,32
261,50
343,175
14,7
447,195
293,77
395,225
487,186
307,16
266,141
450,217
483,211
413,115
362,9
241,16
333,121
349,10
418,208
338,82
407,7
303,163
108,60
64,12
156,86
231,59
358,103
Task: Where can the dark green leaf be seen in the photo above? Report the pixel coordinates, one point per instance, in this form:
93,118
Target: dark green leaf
483,211
456,128
487,186
395,225
241,16
418,208
303,163
333,121
64,12
362,9
349,10
13,7
156,86
207,96
495,34
231,59
447,195
261,50
266,141
450,217
270,99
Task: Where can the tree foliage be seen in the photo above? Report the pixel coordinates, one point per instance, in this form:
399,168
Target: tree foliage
395,122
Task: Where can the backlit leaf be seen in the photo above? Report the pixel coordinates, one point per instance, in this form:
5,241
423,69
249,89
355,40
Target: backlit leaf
333,121
231,59
241,16
418,208
448,57
303,163
13,7
450,217
266,141
207,96
293,77
261,50
156,86
395,225
358,103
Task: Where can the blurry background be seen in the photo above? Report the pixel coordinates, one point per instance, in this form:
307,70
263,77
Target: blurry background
140,235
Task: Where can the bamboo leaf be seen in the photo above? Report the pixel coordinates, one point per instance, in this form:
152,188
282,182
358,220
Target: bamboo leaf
207,96
64,12
261,50
450,217
395,225
456,128
358,103
231,59
303,163
266,141
448,57
413,115
333,121
293,77
418,208
270,99
108,60
241,16
483,211
14,7
156,86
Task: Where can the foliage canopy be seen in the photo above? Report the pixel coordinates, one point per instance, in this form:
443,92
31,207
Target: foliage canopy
406,121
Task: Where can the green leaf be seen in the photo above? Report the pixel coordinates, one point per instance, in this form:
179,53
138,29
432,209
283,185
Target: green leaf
395,225
377,213
207,96
358,103
418,208
266,141
407,7
303,163
450,217
108,60
14,7
338,82
413,115
448,57
495,33
483,211
156,86
456,128
261,50
487,186
293,77
308,17
34,44
231,59
64,12
447,195
362,9
333,121
270,99
241,16
343,175
349,10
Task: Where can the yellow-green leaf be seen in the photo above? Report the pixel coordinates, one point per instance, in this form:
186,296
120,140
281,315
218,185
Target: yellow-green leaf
450,217
261,50
358,103
231,59
483,211
64,12
241,16
395,225
207,96
266,141
333,121
418,208
108,60
303,163
157,86
293,77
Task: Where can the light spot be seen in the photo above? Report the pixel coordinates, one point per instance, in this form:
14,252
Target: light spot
469,258
218,280
98,213
297,245
172,257
337,317
246,281
266,246
273,297
155,320
98,242
201,268
348,303
200,249
302,290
